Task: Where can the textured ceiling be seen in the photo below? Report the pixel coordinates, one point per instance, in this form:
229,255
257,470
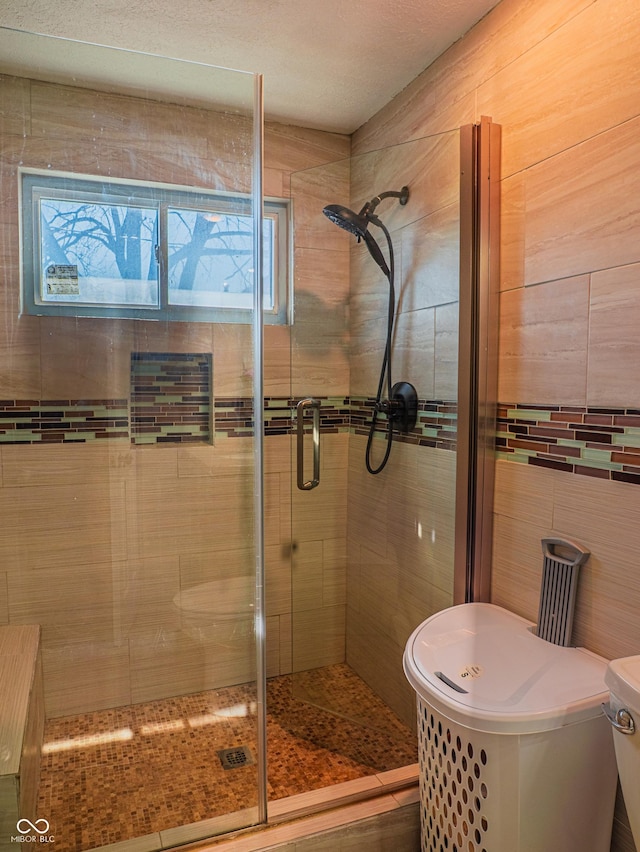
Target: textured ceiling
329,64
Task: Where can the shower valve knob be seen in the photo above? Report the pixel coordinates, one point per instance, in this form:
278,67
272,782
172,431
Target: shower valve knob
389,406
406,396
402,408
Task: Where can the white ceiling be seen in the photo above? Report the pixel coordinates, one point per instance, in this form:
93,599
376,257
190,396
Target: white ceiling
328,64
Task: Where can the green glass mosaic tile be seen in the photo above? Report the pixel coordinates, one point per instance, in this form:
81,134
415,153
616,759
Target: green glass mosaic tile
528,414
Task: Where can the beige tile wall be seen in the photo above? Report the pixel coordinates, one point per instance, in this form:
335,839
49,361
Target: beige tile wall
562,81
400,522
400,561
97,540
320,333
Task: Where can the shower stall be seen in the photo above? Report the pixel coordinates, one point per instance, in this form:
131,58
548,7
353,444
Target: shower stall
213,638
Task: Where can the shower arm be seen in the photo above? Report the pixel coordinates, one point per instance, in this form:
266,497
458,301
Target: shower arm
370,206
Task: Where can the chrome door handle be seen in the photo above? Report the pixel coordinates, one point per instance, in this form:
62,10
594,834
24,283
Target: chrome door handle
621,720
301,407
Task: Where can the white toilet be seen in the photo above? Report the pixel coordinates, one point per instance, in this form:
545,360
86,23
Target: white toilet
623,680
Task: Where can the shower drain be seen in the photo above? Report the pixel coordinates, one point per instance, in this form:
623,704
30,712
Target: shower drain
234,758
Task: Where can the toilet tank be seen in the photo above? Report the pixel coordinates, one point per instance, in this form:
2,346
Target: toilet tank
623,680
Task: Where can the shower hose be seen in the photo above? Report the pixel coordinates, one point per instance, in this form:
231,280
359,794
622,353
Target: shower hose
385,369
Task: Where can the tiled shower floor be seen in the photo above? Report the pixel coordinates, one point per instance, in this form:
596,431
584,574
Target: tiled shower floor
115,774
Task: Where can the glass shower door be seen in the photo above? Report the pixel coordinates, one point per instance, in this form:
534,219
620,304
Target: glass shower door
130,464
373,555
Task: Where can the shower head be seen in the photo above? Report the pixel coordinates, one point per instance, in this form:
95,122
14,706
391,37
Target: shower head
358,223
355,223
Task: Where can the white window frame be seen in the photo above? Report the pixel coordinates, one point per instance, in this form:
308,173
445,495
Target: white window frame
36,185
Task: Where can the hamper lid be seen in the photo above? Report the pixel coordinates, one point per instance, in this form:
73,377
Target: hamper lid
483,667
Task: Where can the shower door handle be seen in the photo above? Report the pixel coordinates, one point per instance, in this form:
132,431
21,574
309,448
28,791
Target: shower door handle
301,408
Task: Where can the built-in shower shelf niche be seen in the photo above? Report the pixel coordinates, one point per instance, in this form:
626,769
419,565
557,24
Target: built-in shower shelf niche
171,398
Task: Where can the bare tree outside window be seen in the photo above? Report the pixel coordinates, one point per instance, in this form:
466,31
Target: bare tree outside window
112,247
211,254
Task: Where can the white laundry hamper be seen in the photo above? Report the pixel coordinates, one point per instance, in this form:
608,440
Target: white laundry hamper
515,753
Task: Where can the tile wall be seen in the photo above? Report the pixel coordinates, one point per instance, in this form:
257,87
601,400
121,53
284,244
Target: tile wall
562,81
401,521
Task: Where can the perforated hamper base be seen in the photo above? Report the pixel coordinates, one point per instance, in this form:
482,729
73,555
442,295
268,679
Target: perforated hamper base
488,792
458,786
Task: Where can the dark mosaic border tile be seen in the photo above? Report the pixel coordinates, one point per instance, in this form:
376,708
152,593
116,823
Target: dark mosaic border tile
436,425
234,417
589,441
62,421
170,404
170,398
280,415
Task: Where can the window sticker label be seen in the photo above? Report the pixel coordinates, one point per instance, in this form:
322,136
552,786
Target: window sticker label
62,278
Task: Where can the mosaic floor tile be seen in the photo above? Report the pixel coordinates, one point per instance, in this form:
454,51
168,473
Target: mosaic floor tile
116,774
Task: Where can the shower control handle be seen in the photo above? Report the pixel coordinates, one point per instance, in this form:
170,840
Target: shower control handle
390,407
402,408
301,408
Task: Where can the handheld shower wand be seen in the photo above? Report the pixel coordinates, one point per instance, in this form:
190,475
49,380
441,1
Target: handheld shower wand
358,223
401,405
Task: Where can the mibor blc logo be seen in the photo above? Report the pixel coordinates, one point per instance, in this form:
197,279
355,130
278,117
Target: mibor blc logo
33,832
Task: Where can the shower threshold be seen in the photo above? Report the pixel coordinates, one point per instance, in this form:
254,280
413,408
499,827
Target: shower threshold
294,817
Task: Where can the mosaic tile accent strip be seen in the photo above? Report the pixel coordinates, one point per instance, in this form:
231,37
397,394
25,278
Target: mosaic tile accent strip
62,421
115,774
280,415
170,398
234,417
171,403
436,425
600,442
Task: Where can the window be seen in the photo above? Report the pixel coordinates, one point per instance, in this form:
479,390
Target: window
95,247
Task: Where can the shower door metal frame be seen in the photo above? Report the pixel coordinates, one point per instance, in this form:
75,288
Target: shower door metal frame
258,447
478,357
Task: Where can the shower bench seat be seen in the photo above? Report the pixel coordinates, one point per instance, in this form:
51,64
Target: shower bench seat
21,725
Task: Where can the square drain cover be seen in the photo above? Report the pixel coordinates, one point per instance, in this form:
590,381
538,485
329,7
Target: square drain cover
234,758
